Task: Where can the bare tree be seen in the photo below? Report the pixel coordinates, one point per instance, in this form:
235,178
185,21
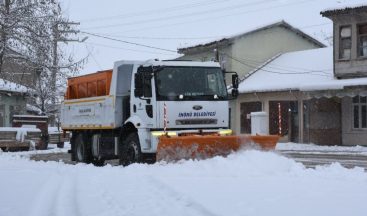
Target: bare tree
29,33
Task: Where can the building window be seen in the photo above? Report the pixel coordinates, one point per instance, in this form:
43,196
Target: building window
362,40
359,112
345,42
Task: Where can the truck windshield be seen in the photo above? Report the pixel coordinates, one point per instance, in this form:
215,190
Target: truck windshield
190,83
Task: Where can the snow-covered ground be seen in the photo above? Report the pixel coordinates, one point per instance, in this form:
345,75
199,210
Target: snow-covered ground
244,183
319,148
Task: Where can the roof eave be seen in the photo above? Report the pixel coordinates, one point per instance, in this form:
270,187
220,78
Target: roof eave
213,44
229,40
346,10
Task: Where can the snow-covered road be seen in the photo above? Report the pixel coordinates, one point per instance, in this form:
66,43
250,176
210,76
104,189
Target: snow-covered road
245,183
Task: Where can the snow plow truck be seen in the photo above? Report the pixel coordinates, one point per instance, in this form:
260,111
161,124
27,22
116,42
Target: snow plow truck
146,111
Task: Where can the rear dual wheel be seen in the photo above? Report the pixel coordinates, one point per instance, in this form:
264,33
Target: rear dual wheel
83,151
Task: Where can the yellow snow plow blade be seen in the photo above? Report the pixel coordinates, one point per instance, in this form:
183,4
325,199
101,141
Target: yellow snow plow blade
207,146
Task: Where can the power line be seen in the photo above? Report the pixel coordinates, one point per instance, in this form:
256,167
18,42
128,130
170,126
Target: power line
159,38
316,73
316,25
217,17
127,42
160,10
233,7
94,59
122,48
189,38
285,68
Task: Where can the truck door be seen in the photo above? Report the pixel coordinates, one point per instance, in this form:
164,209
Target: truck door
144,102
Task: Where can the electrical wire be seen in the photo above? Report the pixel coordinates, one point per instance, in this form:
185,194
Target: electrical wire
199,13
94,59
316,73
128,42
123,48
216,17
159,10
285,68
158,38
188,38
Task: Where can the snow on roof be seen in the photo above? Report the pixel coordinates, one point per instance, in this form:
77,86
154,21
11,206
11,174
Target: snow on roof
252,30
32,108
343,8
309,70
11,87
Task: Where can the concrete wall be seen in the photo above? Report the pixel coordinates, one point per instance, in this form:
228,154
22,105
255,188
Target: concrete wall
356,66
351,136
18,102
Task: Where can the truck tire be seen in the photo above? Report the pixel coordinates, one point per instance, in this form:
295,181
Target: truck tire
82,150
130,151
98,162
60,145
43,145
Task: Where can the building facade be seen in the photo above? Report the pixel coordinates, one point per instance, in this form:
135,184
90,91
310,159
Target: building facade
304,101
244,52
12,102
350,41
251,50
350,62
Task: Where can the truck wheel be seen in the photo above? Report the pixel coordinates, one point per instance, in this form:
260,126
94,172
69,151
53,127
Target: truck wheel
60,145
98,162
130,150
82,151
72,147
43,145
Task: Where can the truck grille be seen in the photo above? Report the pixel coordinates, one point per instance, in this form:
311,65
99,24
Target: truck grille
196,121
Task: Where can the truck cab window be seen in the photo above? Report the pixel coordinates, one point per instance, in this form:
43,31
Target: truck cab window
190,83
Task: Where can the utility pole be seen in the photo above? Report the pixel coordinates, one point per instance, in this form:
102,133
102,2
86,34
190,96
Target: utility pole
216,53
61,30
60,33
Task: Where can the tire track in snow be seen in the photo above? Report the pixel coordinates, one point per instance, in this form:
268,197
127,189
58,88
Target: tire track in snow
144,195
45,199
56,198
194,207
113,207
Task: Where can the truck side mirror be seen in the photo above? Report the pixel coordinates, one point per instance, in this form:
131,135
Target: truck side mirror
235,81
234,93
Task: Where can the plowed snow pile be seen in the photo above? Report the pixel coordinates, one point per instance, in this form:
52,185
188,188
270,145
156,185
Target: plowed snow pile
246,183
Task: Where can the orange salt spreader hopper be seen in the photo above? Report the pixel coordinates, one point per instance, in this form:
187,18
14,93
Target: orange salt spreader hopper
174,148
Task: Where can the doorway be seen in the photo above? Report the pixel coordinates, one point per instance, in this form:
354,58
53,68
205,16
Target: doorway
283,120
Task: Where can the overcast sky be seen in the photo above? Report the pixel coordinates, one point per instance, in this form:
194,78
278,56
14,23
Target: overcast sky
171,24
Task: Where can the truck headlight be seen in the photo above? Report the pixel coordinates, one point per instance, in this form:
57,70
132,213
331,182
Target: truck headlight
161,133
225,132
